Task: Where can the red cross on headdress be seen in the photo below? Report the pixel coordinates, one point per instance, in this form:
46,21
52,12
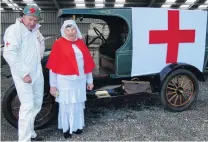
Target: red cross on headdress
32,10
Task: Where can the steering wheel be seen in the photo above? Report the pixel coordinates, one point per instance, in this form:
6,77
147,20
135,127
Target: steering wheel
100,35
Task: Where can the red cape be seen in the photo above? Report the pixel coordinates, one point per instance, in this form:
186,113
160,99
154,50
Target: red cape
62,58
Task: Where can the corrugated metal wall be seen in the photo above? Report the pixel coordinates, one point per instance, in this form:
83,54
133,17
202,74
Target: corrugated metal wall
50,26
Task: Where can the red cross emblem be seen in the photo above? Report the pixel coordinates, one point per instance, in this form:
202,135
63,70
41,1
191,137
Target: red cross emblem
173,36
7,44
32,10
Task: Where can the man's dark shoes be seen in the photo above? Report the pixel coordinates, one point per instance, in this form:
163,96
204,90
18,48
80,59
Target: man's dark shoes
37,138
78,131
67,135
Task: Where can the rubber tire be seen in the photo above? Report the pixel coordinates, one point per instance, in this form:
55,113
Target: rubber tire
164,101
7,110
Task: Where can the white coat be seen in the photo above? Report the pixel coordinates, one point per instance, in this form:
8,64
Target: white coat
23,51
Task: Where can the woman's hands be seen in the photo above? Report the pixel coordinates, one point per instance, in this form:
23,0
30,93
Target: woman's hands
90,86
53,91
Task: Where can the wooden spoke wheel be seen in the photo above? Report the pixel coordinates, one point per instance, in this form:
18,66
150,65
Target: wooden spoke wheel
11,106
44,113
179,90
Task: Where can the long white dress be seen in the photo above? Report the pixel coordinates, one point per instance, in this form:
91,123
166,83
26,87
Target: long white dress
72,95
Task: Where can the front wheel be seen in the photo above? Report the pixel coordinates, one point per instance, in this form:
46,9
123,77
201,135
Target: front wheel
179,90
11,105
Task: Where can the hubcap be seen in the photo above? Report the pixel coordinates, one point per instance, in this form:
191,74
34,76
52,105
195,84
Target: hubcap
179,90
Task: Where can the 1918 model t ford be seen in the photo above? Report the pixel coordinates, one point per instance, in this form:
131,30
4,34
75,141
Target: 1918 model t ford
165,47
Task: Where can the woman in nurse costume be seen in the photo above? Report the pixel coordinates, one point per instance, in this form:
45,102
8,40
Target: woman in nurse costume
71,65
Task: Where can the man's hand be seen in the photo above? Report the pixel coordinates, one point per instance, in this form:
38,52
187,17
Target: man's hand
53,91
90,86
27,79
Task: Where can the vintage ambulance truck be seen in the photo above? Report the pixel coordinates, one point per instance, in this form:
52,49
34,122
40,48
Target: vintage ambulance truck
165,47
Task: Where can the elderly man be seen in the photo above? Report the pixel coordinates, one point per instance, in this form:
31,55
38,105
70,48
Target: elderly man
24,47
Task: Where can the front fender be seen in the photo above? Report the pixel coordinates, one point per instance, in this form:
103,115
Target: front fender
172,67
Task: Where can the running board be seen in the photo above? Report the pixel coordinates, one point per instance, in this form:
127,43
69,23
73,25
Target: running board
109,92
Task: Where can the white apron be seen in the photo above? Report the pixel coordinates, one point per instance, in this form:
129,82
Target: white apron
72,95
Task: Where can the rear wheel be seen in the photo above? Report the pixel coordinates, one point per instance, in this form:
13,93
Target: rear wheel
11,105
179,90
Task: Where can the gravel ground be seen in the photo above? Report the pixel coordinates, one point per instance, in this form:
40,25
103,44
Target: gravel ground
127,119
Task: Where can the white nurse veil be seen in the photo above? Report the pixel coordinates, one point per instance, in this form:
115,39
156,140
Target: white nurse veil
73,23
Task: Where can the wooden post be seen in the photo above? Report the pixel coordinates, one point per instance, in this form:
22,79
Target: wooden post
73,17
